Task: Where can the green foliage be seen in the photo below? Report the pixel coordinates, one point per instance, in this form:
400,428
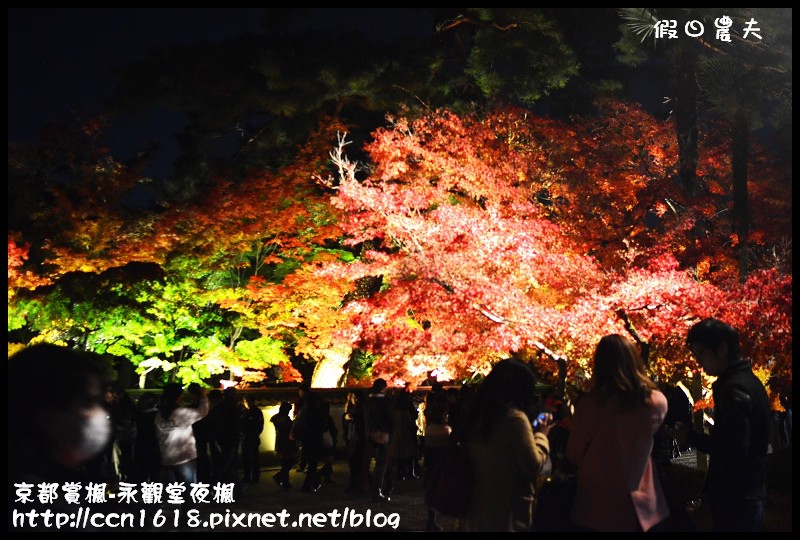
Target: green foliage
264,351
18,312
285,268
639,22
608,88
220,285
342,254
360,367
520,55
729,88
630,51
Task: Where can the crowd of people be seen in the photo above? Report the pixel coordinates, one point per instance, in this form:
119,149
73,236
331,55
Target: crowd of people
616,440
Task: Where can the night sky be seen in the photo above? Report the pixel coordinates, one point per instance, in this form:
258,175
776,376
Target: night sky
62,61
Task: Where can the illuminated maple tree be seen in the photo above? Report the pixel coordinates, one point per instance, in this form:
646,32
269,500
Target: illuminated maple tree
464,239
259,238
514,234
216,296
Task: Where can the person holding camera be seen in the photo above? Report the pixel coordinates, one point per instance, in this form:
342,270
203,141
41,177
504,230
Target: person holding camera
174,431
506,450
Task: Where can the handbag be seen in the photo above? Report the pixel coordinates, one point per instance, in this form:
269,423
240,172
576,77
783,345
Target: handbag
449,488
327,439
378,437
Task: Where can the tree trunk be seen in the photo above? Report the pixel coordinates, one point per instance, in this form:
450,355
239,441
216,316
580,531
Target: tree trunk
741,211
330,367
685,111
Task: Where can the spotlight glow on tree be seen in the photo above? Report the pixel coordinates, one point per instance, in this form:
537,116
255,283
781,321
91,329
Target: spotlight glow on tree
512,234
462,240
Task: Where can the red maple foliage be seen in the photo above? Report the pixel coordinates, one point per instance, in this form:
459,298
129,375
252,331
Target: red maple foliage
18,276
514,234
491,235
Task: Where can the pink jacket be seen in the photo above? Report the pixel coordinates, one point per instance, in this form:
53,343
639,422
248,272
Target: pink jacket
618,489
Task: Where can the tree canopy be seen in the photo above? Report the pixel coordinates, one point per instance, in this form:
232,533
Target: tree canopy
422,206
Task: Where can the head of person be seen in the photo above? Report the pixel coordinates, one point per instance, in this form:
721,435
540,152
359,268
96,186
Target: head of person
147,402
357,397
509,385
714,344
451,395
324,405
285,407
378,386
510,382
230,394
170,400
113,393
66,421
194,390
311,405
436,409
214,396
619,370
250,401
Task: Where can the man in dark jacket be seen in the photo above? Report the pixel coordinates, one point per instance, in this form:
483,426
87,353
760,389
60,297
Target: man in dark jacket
252,426
225,421
737,445
379,424
308,428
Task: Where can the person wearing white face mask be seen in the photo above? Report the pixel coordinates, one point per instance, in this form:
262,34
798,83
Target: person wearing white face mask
56,420
55,411
87,432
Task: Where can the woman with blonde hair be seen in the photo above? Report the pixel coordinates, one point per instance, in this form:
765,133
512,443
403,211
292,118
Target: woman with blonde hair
611,440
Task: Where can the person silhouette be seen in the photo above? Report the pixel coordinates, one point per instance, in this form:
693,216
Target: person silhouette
54,431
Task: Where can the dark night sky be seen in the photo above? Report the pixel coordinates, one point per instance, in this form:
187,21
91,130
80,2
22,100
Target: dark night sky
62,61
